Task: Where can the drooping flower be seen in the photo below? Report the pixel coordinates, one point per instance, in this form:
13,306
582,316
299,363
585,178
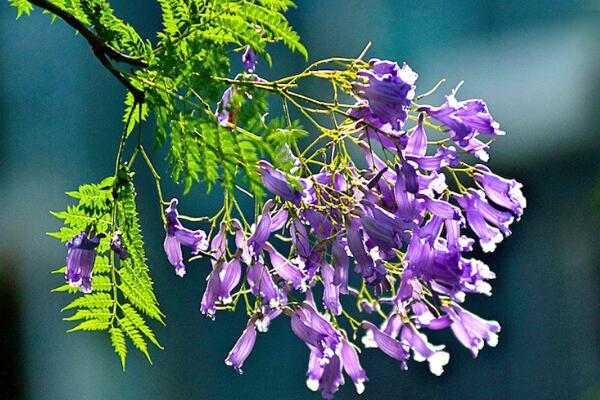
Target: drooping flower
504,192
261,283
285,269
371,270
249,59
389,90
465,119
256,242
316,332
386,343
341,262
116,245
277,183
81,255
423,350
224,278
242,348
488,223
416,145
331,291
375,129
177,235
471,330
225,114
352,366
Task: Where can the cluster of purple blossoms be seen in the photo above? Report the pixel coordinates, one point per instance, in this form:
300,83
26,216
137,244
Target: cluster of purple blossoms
397,224
393,235
402,228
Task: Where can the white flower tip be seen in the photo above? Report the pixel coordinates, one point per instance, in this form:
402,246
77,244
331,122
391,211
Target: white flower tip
437,362
360,387
492,340
368,340
312,384
490,246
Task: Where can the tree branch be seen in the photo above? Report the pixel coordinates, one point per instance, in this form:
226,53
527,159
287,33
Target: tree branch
94,40
138,94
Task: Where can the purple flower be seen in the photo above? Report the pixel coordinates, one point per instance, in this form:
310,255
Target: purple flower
443,157
375,129
276,182
316,332
116,245
389,90
442,209
249,59
385,229
371,270
211,294
352,366
321,223
327,378
177,235
471,330
285,269
242,348
218,245
465,119
341,262
261,283
81,255
434,262
386,343
487,222
416,144
225,115
423,350
224,278
504,192
261,233
331,291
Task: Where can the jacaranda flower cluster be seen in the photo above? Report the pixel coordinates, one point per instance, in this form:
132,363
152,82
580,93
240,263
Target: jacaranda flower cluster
385,215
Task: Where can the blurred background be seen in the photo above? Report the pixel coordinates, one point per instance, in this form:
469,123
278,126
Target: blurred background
536,63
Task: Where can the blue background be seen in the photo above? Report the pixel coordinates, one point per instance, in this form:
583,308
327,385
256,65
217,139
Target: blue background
536,63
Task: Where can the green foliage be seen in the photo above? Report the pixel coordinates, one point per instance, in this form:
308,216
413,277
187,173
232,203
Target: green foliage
120,291
22,6
180,84
180,79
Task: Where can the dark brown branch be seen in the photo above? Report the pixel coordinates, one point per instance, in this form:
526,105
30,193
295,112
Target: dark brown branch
94,40
138,94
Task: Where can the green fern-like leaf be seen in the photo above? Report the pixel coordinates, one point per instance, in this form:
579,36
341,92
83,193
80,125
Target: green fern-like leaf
118,341
117,289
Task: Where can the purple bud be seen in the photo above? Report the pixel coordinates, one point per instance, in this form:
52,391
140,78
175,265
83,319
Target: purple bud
116,245
249,59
